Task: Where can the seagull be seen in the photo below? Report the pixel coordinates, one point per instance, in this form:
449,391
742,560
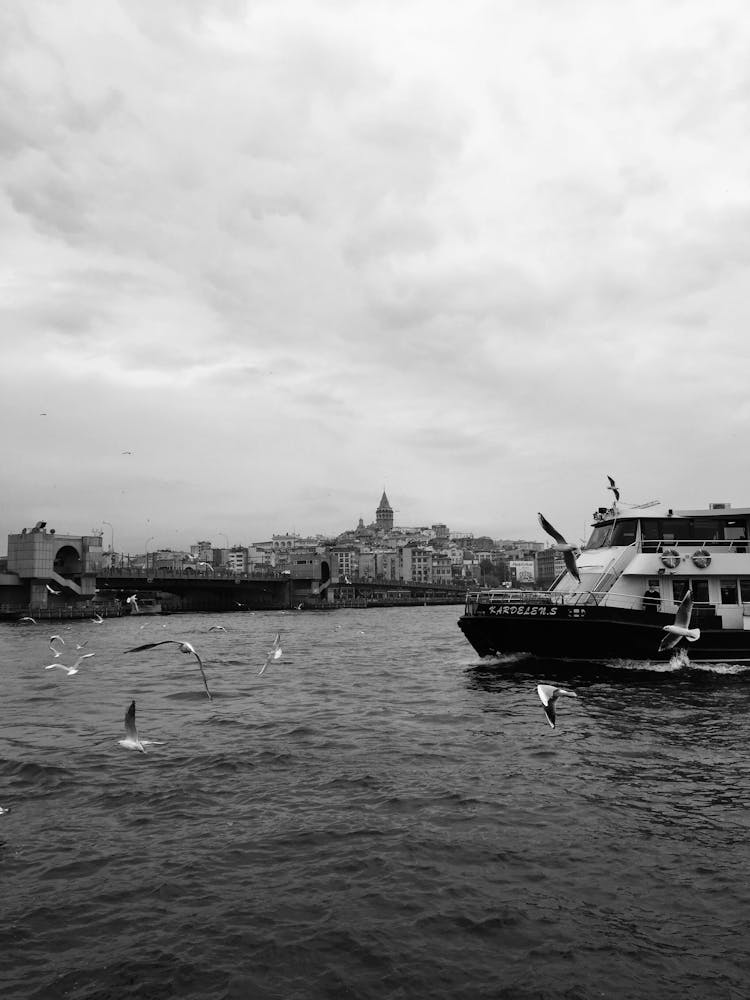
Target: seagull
184,647
217,628
27,618
207,565
82,645
681,627
131,741
273,654
567,550
613,487
97,618
548,695
52,590
132,600
70,670
127,453
52,638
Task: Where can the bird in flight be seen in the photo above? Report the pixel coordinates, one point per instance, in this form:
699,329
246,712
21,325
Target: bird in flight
548,695
56,651
97,618
27,618
561,545
216,628
614,489
681,626
274,653
132,600
70,670
52,590
184,647
127,453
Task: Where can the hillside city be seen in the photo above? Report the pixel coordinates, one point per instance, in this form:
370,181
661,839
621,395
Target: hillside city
375,552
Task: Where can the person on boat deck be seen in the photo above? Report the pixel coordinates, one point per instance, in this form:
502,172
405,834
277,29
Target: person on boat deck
651,598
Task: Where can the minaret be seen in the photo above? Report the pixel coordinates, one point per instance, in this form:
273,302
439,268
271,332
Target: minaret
384,515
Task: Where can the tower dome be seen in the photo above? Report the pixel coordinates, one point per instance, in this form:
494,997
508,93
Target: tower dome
384,515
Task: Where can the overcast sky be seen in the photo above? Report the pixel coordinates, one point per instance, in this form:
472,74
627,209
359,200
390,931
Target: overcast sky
262,260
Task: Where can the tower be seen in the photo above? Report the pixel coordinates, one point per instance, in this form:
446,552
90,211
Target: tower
384,515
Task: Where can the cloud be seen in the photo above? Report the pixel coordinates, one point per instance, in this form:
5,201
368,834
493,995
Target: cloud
334,245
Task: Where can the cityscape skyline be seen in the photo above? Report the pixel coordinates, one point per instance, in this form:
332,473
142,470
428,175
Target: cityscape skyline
111,540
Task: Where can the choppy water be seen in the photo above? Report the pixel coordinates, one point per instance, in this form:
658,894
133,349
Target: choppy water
380,815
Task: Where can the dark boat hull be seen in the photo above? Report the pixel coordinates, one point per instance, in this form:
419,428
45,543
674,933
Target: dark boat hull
595,633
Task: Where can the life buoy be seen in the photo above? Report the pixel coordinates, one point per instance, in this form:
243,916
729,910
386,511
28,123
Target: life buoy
671,558
701,558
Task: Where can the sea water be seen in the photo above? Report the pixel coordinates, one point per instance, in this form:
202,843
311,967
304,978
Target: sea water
381,814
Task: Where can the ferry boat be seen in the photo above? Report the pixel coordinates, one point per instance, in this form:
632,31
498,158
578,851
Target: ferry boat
633,571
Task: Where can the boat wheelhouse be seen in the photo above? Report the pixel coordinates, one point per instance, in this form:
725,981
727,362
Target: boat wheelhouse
634,571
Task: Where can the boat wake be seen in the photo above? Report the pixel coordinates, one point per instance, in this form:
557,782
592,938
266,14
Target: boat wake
679,662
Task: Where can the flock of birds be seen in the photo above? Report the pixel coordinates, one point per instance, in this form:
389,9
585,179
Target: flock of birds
132,740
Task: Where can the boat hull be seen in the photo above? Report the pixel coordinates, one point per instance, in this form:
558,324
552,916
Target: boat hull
595,633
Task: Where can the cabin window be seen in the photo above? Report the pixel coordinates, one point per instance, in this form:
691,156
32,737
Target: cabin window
679,589
735,531
706,529
623,532
599,537
745,590
673,528
700,590
728,589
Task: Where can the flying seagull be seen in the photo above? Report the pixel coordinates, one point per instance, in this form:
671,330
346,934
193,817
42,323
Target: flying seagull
681,627
561,545
134,601
216,628
52,590
548,695
273,654
70,670
51,644
184,647
614,489
27,618
97,618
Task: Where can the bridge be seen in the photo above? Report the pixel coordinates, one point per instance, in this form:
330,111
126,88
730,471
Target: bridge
225,591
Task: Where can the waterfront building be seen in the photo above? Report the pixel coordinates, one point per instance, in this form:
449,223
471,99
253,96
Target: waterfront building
344,561
203,552
237,559
55,568
550,563
522,570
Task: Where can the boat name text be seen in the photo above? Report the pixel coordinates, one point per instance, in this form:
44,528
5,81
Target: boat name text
536,609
